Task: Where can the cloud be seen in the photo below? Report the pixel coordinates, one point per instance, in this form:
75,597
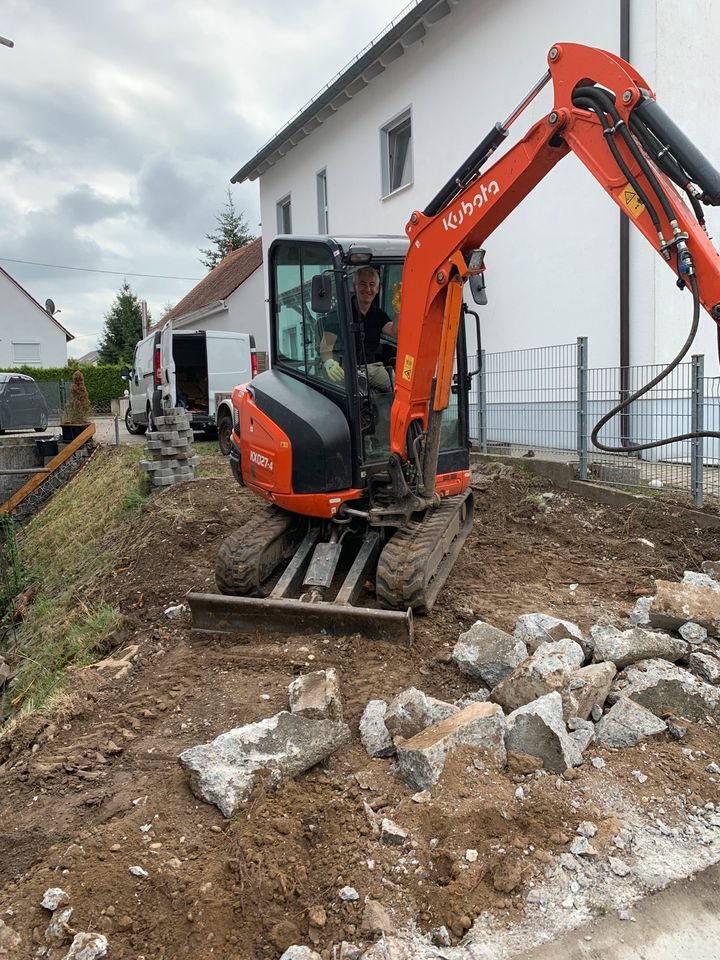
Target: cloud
124,121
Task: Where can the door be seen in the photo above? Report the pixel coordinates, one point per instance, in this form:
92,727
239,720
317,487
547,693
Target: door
168,386
17,403
228,363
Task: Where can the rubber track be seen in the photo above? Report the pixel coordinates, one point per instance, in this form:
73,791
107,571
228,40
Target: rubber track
402,578
242,561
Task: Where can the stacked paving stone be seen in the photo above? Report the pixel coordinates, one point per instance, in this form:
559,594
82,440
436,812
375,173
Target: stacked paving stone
170,449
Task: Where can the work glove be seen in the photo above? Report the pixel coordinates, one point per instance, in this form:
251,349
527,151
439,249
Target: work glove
334,371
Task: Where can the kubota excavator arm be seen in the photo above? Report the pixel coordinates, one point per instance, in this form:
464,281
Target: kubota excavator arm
606,114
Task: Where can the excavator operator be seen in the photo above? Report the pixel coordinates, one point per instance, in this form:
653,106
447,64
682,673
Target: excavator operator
370,322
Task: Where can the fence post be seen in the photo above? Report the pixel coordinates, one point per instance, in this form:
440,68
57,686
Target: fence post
482,405
582,437
697,424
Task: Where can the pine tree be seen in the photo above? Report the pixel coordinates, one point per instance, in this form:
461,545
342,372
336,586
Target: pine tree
231,234
123,328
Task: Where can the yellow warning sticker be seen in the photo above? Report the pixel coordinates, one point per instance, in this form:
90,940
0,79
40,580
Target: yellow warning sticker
629,197
408,367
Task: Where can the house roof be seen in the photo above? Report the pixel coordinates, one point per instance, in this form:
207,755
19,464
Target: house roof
220,282
68,336
411,25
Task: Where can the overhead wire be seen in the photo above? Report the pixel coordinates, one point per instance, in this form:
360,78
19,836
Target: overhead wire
116,273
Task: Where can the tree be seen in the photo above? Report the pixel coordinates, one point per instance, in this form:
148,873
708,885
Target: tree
231,234
123,328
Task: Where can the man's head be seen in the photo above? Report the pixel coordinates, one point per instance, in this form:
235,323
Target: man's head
367,285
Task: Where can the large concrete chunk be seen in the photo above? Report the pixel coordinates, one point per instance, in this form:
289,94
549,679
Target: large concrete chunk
546,671
487,653
534,628
568,650
316,695
373,732
224,771
587,688
538,728
480,726
412,710
677,603
623,647
664,688
626,724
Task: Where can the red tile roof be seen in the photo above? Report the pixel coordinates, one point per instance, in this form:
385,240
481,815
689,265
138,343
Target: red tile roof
220,282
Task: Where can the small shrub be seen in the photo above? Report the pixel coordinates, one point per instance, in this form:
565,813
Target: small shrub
78,409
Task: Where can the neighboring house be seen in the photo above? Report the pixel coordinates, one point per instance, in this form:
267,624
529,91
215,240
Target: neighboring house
91,358
29,335
386,133
231,297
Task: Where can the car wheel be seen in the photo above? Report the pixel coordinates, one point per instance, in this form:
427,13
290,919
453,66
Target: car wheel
43,423
131,426
224,431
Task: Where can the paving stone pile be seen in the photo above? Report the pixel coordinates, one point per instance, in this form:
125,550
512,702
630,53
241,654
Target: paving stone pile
171,458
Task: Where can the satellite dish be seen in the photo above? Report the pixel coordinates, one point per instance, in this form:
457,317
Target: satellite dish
50,306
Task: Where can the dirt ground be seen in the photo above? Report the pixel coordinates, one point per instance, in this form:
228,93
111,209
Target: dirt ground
94,787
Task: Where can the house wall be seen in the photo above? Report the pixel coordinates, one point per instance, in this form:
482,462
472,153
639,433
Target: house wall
23,321
553,265
246,312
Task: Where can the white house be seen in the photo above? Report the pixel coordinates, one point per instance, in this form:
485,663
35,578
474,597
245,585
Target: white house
29,335
386,133
231,297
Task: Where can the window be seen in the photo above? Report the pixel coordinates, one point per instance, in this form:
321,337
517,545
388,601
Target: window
396,146
26,353
284,217
298,331
322,202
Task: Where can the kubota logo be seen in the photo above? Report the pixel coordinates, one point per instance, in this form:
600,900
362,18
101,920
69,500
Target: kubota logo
469,208
261,460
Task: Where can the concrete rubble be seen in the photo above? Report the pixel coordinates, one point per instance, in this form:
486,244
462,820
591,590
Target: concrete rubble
546,671
532,629
623,647
480,726
373,732
488,654
664,688
538,728
316,695
412,711
587,687
675,604
225,770
626,723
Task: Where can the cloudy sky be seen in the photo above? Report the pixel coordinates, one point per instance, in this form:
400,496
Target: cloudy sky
123,121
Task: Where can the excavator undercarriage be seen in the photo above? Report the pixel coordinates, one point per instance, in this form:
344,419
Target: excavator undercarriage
285,572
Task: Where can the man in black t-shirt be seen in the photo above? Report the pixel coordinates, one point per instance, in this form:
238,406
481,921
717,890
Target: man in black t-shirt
370,322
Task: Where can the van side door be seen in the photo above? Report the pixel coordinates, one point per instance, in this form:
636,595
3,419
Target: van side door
228,363
168,387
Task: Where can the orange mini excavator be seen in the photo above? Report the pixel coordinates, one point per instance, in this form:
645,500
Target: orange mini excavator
367,477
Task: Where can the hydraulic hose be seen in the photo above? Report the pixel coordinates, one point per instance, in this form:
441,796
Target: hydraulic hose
652,383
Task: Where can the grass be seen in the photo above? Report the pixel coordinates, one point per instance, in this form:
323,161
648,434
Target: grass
67,550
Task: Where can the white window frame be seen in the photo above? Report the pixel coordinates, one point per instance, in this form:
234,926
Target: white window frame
283,207
388,135
322,201
20,348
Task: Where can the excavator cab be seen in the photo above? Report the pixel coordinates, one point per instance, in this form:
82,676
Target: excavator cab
311,293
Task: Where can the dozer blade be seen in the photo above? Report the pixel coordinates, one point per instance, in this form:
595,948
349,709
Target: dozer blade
215,613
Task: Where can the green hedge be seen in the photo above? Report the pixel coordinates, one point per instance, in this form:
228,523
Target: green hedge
103,382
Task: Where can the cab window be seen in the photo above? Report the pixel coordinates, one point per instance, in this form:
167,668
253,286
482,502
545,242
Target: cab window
298,330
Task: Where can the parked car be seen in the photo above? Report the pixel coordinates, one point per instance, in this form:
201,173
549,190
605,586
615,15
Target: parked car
186,368
22,406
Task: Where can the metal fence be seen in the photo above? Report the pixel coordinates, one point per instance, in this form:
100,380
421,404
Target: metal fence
57,394
547,401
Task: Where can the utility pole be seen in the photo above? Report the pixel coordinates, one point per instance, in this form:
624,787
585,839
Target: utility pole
143,312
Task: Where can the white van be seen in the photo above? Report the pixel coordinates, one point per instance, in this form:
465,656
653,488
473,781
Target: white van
186,368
